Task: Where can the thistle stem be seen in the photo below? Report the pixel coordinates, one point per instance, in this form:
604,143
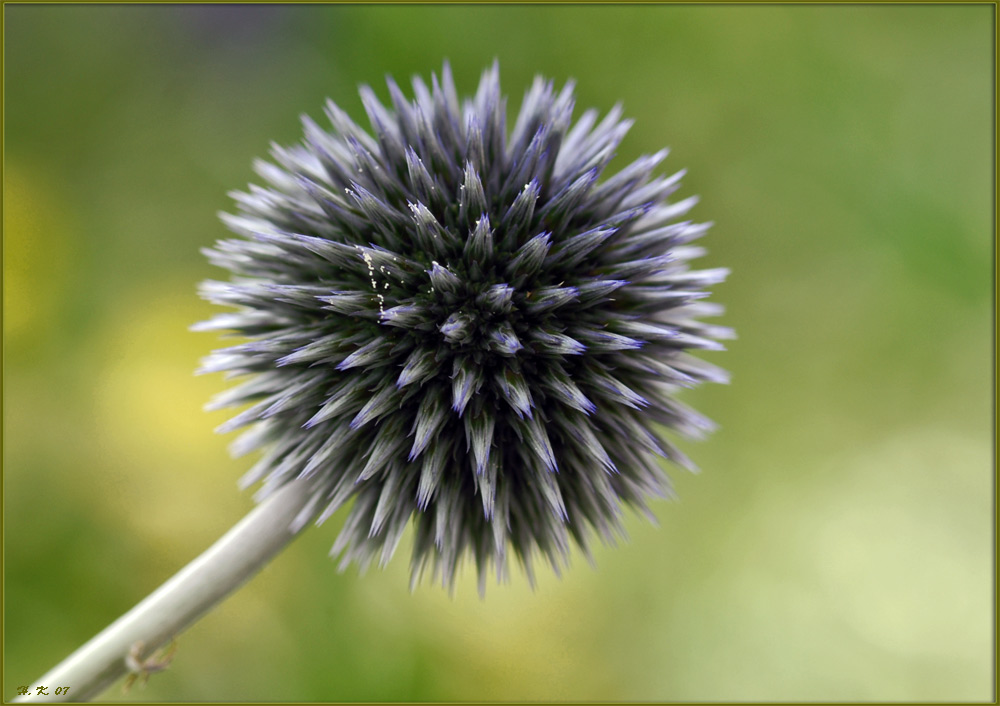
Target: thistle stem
189,594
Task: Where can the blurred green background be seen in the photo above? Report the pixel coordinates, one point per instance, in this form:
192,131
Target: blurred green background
838,544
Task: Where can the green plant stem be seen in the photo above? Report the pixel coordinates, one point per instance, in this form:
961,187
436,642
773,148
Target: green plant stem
193,591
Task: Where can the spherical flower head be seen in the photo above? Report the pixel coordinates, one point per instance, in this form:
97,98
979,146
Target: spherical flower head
465,325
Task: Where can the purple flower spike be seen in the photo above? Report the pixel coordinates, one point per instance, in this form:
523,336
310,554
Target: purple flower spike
473,329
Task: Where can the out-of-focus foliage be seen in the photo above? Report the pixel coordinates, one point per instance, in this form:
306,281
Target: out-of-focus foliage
838,544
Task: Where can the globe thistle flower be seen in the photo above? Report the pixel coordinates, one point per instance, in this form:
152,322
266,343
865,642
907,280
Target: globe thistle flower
462,325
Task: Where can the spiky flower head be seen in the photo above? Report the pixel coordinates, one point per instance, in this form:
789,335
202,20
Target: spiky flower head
464,325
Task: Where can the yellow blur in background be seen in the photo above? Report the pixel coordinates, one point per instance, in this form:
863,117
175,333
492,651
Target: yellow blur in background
838,544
